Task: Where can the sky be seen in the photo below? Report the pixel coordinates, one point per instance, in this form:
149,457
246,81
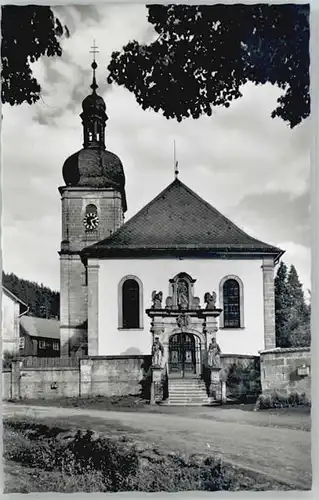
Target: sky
252,168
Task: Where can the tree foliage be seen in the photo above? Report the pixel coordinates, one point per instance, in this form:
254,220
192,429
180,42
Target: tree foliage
42,301
292,311
204,54
28,32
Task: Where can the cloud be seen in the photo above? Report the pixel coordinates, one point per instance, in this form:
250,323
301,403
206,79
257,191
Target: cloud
281,215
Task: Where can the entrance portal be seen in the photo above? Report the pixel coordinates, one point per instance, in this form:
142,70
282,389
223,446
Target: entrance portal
182,359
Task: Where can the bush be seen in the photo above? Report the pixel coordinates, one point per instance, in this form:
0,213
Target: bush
7,357
275,400
110,465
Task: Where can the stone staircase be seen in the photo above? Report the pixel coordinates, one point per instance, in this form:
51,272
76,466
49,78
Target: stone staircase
187,392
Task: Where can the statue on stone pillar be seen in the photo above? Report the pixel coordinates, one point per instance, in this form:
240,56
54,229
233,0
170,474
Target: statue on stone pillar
157,353
182,294
214,352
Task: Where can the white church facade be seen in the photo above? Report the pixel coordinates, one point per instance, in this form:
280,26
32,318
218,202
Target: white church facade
178,270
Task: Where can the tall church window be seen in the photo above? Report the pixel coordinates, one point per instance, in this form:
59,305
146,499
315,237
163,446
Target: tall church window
130,303
232,298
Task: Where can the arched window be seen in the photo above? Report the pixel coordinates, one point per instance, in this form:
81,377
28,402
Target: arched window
130,303
232,298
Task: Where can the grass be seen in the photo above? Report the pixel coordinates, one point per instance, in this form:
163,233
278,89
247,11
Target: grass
42,457
130,402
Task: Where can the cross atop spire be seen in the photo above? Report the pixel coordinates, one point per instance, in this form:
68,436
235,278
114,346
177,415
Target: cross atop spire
94,51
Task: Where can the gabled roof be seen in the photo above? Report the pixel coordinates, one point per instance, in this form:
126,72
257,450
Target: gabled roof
178,221
13,296
40,327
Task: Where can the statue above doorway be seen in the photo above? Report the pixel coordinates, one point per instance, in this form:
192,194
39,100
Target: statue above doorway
181,293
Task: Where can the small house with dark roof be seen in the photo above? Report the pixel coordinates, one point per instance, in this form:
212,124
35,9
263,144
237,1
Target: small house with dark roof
39,337
178,271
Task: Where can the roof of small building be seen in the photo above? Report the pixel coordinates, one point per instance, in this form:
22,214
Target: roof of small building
13,296
40,327
179,221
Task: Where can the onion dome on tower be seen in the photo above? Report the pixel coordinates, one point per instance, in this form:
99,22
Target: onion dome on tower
94,166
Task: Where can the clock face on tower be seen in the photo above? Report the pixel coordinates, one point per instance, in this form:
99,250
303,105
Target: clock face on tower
91,221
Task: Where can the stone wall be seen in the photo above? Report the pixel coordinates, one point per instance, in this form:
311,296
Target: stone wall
240,359
6,384
113,375
105,376
286,371
49,383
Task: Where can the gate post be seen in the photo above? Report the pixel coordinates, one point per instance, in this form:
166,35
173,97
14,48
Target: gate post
215,390
15,379
156,382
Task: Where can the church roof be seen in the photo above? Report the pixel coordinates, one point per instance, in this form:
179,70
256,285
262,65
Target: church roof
180,222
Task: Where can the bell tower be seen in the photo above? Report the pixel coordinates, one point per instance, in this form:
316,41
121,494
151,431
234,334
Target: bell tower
93,206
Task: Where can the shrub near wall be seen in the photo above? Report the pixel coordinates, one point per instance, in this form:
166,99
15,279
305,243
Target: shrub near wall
242,376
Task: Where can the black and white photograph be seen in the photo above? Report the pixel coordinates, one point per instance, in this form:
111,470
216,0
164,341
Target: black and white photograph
156,247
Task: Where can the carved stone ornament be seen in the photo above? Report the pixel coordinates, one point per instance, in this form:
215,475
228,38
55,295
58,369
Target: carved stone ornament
210,300
157,299
196,303
211,330
183,321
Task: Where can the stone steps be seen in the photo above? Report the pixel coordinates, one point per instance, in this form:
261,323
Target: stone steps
187,392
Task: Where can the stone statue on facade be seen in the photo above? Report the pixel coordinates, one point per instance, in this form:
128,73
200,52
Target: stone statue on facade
169,302
214,354
210,300
157,353
182,294
157,300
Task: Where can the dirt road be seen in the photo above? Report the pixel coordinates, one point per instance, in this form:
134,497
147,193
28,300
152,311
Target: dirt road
278,452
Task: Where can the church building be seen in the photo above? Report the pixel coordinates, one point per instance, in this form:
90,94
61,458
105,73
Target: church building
178,270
